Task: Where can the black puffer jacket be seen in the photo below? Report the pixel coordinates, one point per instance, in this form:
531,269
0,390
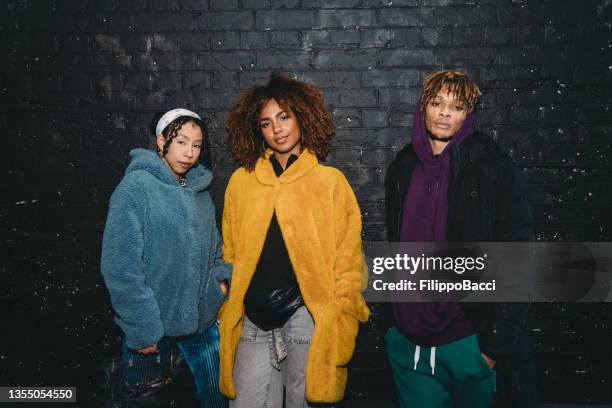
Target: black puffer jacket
486,202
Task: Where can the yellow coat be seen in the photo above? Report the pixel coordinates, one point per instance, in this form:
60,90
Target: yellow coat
321,225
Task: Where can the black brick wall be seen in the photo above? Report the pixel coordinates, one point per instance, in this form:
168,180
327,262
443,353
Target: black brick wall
81,80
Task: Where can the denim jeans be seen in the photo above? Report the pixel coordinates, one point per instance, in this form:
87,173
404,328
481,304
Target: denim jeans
201,353
268,360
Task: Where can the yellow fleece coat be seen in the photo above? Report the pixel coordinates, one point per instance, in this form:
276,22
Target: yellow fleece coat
321,225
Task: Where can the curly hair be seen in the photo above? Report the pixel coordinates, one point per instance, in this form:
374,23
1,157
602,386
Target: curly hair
170,132
303,99
456,82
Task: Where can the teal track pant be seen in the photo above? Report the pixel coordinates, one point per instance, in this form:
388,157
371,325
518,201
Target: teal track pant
454,375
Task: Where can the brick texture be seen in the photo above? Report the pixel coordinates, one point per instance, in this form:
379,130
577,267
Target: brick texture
82,79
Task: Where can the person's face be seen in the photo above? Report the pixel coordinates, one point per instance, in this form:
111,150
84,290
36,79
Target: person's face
280,130
444,115
184,150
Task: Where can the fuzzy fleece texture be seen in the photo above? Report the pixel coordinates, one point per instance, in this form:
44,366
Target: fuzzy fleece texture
321,224
161,252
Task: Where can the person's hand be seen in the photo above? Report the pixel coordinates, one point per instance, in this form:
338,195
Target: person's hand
224,287
148,349
489,361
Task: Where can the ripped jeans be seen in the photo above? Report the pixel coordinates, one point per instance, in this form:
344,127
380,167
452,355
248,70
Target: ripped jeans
268,360
201,353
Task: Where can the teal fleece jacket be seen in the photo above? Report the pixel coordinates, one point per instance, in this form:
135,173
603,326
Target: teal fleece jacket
161,252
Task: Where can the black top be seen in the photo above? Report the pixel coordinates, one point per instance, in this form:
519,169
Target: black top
273,294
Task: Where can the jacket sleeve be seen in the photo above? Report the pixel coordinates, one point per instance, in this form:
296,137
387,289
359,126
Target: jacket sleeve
350,270
514,220
122,267
221,269
226,225
504,336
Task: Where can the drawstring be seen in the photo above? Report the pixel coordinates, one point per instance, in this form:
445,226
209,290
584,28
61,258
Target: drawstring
432,358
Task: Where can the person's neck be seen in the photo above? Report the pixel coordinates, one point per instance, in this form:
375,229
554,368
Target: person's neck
438,146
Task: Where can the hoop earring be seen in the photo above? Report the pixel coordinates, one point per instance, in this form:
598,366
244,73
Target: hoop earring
263,144
160,153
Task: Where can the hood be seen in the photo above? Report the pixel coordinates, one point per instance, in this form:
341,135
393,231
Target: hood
198,177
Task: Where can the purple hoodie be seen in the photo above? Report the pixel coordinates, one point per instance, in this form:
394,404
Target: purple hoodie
424,220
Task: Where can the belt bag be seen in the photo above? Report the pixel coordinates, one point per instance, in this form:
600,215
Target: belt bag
271,309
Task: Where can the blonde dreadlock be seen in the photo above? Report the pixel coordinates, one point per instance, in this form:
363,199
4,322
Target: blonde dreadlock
456,82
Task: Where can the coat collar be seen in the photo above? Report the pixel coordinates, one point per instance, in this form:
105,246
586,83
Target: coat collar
198,178
265,172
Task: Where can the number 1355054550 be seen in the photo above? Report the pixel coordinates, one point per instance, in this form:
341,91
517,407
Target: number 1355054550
37,394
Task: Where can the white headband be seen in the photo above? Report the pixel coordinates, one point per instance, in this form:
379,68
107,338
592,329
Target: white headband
170,116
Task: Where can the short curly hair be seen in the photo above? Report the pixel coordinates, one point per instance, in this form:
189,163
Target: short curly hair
456,82
304,100
171,130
